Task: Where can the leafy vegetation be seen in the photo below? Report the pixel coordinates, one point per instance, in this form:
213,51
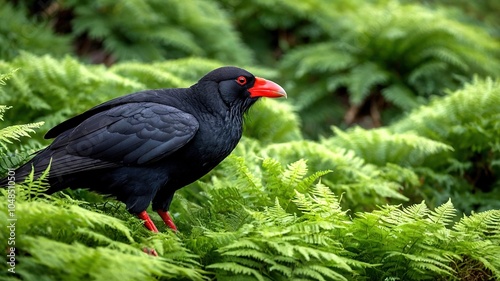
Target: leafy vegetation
19,32
388,65
403,186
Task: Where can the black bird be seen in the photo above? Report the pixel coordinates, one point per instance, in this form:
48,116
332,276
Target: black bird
142,147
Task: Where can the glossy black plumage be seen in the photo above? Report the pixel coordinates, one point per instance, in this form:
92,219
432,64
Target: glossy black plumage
143,147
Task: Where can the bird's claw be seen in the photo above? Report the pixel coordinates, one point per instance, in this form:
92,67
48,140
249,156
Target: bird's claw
151,252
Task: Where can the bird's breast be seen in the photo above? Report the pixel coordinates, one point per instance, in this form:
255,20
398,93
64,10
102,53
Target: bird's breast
217,141
208,148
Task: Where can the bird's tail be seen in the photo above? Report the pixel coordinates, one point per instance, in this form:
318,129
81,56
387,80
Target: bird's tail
37,165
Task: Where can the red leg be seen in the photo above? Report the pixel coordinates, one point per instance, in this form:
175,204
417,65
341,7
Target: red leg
167,219
148,223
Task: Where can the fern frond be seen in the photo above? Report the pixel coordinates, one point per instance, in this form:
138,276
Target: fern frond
21,31
446,118
466,120
285,125
405,59
381,146
5,77
349,172
443,214
174,30
483,224
237,269
401,96
319,203
294,173
15,132
363,79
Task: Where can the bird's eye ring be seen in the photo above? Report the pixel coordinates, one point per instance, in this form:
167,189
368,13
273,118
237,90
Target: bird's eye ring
242,80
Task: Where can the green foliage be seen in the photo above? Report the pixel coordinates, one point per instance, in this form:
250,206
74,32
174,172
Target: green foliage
482,13
273,27
391,60
281,207
18,32
380,146
362,184
452,145
13,133
469,121
278,246
306,235
166,30
416,243
254,231
272,121
51,90
76,243
250,185
15,157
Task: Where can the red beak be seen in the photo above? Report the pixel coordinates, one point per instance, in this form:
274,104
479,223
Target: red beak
266,88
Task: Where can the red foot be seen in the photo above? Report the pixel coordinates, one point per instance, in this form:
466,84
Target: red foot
148,223
167,219
151,252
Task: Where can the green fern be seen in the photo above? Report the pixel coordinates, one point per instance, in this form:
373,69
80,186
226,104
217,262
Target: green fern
174,30
20,32
479,242
364,185
414,237
59,234
16,131
320,204
239,185
166,74
468,121
393,58
281,207
462,113
53,90
450,144
482,13
272,121
380,146
277,246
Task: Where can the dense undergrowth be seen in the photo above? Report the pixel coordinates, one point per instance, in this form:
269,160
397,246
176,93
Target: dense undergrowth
404,186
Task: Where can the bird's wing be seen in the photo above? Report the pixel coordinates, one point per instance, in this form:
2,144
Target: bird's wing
153,96
128,134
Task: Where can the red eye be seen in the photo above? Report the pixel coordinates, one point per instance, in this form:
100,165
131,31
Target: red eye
242,80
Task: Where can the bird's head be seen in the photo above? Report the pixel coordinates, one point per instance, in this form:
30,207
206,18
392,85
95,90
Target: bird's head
237,86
